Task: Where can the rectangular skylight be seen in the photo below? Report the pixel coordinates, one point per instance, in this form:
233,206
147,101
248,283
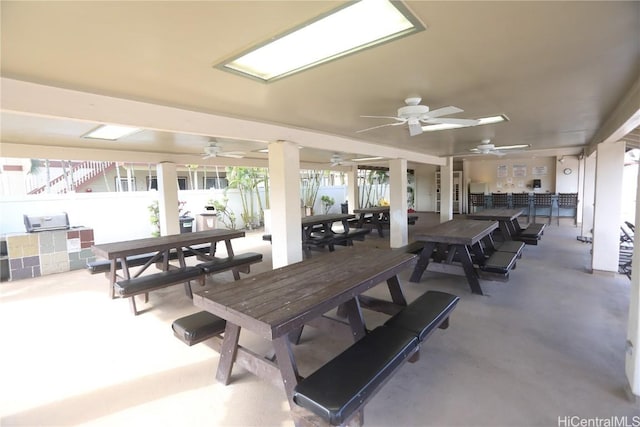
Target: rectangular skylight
481,120
346,30
111,132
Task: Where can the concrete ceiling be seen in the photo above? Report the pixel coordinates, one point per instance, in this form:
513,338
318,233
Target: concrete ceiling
558,70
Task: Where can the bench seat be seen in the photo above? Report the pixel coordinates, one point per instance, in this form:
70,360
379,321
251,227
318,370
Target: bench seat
428,312
104,265
531,234
150,282
348,237
129,288
198,327
343,385
512,246
221,264
500,262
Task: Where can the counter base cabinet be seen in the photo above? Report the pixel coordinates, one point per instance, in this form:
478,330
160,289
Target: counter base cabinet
47,252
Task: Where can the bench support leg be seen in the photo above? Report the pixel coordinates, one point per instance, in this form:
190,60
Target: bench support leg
132,302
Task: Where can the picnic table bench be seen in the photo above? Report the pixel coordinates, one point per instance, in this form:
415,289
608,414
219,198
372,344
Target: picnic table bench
337,392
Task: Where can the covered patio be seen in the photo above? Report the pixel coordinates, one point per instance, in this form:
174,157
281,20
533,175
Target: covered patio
544,347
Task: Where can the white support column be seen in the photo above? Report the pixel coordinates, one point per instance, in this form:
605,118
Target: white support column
286,232
446,190
464,190
588,196
168,203
352,189
632,360
607,212
398,226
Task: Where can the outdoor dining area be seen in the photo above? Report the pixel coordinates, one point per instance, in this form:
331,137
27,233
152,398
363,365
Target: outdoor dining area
278,347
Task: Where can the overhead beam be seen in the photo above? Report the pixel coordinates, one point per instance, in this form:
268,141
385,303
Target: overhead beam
34,99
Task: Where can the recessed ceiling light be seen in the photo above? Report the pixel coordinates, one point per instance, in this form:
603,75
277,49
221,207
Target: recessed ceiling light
346,30
111,132
481,121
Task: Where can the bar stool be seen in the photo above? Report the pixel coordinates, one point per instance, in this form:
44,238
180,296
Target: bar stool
542,200
499,200
476,200
521,200
568,201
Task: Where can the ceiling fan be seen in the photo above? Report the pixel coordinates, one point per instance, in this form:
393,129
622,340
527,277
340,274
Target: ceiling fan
486,147
338,159
416,115
214,149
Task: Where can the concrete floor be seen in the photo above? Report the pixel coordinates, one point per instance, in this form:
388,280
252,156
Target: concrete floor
548,344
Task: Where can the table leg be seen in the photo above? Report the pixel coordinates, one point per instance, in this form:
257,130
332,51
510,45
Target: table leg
423,262
469,270
396,291
287,365
356,320
228,352
112,277
506,235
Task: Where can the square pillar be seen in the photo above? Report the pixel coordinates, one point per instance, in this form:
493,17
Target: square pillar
168,201
398,227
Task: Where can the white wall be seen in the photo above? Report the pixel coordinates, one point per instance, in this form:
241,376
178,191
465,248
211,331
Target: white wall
425,188
567,183
486,170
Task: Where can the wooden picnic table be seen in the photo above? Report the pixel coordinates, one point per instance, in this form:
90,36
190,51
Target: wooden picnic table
377,216
117,252
458,237
277,304
317,229
507,220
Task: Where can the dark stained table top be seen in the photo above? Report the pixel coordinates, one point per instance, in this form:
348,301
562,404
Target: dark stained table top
375,209
458,231
497,214
276,302
322,219
156,244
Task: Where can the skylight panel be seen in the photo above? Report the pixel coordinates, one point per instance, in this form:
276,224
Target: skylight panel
111,132
344,31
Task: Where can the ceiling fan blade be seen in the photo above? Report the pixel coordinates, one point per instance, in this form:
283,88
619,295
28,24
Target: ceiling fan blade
232,154
444,111
496,153
513,147
400,119
450,121
380,126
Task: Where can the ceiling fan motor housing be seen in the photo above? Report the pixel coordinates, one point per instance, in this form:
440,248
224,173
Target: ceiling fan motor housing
412,111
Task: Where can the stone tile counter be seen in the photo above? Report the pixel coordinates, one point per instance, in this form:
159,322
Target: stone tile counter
47,252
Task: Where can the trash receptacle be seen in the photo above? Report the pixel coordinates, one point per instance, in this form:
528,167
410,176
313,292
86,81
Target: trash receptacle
206,221
186,224
344,207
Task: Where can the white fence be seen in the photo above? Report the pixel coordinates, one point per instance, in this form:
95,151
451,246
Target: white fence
125,215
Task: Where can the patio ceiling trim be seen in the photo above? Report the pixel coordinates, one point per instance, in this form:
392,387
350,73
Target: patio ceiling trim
35,99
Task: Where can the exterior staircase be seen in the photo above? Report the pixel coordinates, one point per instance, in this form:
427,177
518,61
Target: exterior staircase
80,172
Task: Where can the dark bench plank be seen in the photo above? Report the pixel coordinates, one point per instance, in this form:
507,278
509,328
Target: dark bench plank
532,234
104,265
412,248
512,246
340,389
129,288
198,327
428,312
219,265
344,384
498,266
